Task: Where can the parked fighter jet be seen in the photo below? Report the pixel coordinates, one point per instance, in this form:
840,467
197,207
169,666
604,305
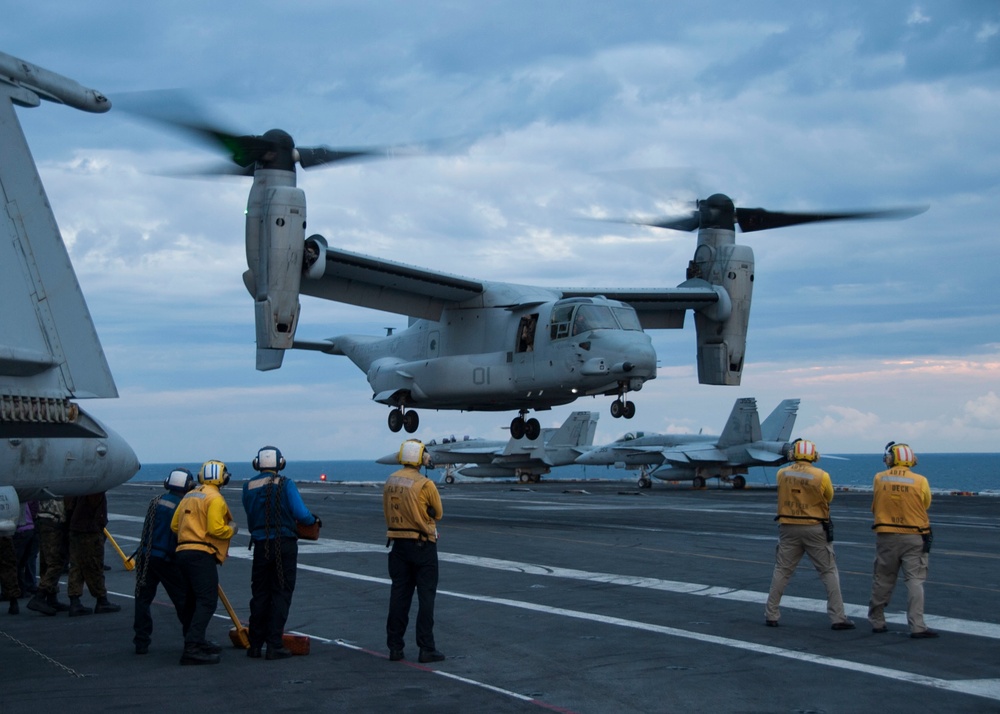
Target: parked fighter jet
49,350
743,443
525,459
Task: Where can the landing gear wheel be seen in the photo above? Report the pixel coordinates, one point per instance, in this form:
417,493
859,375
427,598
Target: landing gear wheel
739,482
645,483
629,410
532,429
699,482
516,428
395,420
449,479
411,420
617,409
523,477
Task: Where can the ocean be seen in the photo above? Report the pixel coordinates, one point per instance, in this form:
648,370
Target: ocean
947,473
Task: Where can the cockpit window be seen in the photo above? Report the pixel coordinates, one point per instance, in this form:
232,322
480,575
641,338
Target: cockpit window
593,317
627,318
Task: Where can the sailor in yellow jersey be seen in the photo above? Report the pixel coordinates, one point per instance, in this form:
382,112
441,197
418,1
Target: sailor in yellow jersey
900,499
412,508
204,526
804,495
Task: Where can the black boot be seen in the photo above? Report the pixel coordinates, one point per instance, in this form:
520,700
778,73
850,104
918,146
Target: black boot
76,607
194,654
53,600
40,603
103,606
14,608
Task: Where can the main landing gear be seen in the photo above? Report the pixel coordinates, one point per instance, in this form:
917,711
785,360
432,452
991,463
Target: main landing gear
520,427
622,407
399,419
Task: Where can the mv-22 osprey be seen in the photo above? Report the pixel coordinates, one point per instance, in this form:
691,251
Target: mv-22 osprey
50,354
485,345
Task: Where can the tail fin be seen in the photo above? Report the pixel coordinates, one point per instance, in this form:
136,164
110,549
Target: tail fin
743,426
779,423
577,430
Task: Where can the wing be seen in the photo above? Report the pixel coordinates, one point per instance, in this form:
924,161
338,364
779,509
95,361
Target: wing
365,281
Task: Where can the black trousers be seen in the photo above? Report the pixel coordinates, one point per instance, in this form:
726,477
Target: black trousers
272,582
201,578
158,571
413,564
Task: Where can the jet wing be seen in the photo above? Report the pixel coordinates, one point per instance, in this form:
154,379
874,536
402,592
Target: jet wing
768,457
694,455
365,281
658,308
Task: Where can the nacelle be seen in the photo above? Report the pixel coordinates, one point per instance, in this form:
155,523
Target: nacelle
722,329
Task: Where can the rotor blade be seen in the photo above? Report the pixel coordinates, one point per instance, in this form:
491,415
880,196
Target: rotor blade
759,219
320,155
679,223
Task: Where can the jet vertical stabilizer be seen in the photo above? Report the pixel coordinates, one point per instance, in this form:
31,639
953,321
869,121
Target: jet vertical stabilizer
779,423
743,426
49,350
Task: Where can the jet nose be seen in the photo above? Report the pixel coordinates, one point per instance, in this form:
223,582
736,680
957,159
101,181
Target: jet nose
122,461
590,458
390,459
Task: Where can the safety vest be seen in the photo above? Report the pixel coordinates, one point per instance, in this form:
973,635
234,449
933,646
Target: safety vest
158,540
802,494
266,503
405,512
191,519
900,501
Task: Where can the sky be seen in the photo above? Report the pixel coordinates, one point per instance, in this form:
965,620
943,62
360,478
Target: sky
884,330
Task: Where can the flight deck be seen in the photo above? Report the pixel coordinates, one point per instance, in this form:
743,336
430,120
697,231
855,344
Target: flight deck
561,596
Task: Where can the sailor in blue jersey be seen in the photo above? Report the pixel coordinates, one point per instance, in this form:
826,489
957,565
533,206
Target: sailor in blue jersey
274,508
156,561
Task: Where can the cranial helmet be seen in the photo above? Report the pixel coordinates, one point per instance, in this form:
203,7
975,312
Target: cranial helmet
214,472
411,453
899,455
803,450
179,481
269,458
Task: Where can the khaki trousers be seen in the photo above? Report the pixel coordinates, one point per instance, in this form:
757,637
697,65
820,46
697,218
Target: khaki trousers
895,552
794,541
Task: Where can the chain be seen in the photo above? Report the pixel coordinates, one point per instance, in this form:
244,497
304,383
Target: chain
60,665
272,520
145,550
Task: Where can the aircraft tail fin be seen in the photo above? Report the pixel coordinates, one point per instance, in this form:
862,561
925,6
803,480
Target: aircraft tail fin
577,430
779,423
743,426
49,349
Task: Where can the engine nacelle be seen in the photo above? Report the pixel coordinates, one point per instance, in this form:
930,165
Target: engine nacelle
722,334
275,241
315,257
10,510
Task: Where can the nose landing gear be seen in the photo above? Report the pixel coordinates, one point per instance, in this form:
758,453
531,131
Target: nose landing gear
621,407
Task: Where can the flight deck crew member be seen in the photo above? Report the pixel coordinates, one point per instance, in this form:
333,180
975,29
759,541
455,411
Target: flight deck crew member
274,507
53,550
204,527
900,499
804,495
88,517
156,561
412,508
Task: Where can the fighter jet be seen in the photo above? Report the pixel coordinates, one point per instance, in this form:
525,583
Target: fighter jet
49,350
743,443
525,459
